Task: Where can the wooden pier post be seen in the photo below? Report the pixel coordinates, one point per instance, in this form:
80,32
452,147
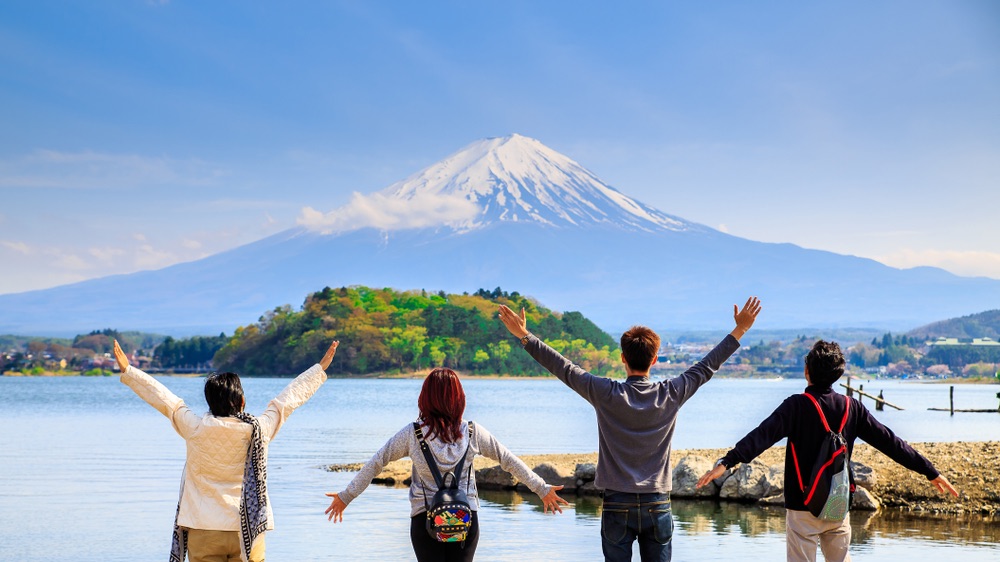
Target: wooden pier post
951,399
850,391
880,402
861,393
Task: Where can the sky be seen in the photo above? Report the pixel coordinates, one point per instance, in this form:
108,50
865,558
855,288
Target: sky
138,134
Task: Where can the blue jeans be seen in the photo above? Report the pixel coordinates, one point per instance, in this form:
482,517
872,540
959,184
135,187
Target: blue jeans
627,517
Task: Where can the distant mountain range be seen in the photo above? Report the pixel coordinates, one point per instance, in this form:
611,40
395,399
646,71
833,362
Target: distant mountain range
513,213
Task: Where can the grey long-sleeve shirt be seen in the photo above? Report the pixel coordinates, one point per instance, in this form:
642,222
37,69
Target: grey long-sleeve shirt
635,417
446,455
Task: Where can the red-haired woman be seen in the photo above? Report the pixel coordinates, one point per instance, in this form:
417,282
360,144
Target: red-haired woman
449,439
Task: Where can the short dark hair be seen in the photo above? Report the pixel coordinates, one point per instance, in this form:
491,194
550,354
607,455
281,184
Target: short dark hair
639,347
825,362
224,394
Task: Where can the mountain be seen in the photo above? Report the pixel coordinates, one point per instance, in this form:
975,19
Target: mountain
518,179
981,325
511,212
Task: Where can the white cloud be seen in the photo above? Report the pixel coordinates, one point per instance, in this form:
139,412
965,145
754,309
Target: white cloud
191,244
19,247
723,228
969,263
390,213
106,254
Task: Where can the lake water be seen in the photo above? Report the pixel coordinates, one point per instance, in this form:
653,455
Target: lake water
90,472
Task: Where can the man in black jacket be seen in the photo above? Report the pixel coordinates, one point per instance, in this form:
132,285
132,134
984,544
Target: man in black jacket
797,419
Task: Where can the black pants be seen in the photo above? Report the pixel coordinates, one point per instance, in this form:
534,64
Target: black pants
429,550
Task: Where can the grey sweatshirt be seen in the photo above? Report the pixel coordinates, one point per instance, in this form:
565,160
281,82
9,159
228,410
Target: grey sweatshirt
447,455
635,417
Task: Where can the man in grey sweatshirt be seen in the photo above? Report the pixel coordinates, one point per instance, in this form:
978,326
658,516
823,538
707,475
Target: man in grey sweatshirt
635,424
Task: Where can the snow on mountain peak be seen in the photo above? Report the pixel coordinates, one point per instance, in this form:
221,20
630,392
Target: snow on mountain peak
513,178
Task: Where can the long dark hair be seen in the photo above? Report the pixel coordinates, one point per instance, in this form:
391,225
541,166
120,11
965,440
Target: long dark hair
442,403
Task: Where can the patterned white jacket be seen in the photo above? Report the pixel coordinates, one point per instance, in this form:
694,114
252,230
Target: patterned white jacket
217,447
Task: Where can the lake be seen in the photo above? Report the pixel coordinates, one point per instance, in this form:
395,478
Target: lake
90,472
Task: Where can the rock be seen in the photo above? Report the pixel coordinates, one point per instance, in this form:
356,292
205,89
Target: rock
555,475
397,472
752,481
864,475
495,478
864,500
586,471
774,499
689,469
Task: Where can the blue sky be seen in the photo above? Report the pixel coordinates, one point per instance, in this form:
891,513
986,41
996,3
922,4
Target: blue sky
139,134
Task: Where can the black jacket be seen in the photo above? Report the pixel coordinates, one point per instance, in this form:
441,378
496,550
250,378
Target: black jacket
797,419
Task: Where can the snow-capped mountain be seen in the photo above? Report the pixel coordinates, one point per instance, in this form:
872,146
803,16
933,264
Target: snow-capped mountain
513,213
518,179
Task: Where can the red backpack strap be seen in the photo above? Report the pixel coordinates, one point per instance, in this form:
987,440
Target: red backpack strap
820,410
847,410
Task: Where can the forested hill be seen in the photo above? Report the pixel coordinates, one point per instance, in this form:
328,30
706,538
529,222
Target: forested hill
383,330
982,325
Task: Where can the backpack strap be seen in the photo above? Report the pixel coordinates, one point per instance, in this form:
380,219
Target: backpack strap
822,418
468,481
432,464
843,422
428,456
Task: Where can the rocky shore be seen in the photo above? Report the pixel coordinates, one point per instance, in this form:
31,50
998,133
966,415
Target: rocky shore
972,467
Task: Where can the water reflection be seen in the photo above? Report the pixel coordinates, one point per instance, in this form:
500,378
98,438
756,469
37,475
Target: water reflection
696,518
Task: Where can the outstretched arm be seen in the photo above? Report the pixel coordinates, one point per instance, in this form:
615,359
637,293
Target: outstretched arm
395,449
297,393
769,432
588,386
489,447
156,395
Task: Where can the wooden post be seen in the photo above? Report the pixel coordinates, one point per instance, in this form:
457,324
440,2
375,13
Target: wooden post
880,402
951,399
850,391
861,393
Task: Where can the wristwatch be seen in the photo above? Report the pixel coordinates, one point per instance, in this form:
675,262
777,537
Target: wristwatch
524,339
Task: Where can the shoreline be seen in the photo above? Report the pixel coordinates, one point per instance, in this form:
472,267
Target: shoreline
418,375
972,467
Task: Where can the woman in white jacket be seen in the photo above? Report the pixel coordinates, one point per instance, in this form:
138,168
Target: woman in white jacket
224,508
451,443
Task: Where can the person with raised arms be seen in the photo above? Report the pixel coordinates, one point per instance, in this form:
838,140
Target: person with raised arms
635,427
810,419
224,508
440,442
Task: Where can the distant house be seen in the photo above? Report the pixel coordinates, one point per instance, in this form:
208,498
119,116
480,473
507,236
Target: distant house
955,341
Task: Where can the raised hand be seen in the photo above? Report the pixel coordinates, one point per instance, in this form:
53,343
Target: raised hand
516,324
745,318
335,512
551,501
121,358
328,357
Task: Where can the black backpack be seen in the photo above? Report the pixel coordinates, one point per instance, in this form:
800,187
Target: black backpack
449,515
827,494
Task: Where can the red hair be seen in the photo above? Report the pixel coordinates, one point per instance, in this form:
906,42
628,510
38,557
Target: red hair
442,403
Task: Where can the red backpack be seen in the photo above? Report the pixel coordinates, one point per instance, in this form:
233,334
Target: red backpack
828,492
